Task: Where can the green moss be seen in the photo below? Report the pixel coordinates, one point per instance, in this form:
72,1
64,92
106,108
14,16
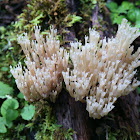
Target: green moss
46,13
123,134
86,9
8,54
46,125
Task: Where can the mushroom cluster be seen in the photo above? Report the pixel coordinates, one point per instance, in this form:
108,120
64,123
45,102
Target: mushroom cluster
103,69
45,61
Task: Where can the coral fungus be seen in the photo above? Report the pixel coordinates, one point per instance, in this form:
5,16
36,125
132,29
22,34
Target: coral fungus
103,70
45,62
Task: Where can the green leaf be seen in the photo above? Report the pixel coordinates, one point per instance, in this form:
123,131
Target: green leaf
2,29
113,16
113,138
4,69
74,20
94,1
5,90
2,125
11,114
112,6
131,16
9,124
28,112
134,14
11,48
138,133
20,95
118,19
137,23
37,20
121,10
45,33
9,104
137,3
126,5
137,11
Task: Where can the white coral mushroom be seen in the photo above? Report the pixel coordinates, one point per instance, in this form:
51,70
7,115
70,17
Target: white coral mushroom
45,62
103,70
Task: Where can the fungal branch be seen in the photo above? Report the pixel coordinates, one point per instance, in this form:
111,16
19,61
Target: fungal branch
103,70
45,61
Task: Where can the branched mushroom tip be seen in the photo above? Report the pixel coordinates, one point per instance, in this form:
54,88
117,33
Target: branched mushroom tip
45,61
103,69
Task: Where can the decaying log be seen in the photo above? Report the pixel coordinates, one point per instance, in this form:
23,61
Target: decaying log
72,114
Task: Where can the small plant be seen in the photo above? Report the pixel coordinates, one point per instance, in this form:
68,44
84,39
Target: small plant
28,112
126,10
17,117
10,109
